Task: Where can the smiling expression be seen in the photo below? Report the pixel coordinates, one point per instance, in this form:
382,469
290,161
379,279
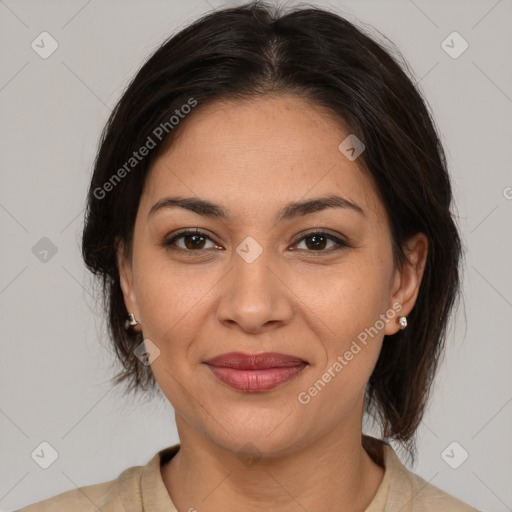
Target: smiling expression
287,249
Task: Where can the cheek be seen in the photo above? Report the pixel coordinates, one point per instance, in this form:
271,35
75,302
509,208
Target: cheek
351,309
348,299
173,308
165,290
172,301
351,302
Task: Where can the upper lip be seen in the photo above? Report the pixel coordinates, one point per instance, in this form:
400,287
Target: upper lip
241,361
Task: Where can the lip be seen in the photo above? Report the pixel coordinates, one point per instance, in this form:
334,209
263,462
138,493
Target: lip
263,361
255,372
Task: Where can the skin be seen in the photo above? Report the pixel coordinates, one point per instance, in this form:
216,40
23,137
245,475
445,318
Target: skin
252,157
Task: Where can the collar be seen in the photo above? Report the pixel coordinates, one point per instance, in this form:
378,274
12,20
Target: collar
394,490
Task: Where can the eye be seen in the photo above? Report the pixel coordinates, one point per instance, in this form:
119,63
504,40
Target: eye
193,241
196,240
316,241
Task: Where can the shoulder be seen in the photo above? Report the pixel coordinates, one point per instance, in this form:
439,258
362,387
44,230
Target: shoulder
136,489
429,498
105,496
415,494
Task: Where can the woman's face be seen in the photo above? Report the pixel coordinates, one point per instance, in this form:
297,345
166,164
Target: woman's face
259,280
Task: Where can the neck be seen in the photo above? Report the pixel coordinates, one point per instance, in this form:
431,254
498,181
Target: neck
205,476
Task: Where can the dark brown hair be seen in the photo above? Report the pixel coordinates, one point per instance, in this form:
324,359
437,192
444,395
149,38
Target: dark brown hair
253,50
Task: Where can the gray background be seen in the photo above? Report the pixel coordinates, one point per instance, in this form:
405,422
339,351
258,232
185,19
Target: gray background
55,362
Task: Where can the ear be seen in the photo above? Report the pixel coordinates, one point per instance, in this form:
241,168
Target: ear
125,269
407,280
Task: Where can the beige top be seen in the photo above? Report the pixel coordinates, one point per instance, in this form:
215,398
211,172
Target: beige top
141,488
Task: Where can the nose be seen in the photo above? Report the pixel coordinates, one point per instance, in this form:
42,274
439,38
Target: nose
254,297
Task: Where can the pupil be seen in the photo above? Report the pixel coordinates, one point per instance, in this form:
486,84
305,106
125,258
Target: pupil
195,238
316,237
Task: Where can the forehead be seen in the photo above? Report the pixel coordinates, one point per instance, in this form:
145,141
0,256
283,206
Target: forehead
258,154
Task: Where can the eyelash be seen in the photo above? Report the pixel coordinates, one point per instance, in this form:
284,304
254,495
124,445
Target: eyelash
168,242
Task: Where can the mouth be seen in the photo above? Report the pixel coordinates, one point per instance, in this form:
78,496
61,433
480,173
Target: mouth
255,372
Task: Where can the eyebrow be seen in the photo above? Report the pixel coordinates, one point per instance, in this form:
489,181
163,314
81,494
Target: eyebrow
288,212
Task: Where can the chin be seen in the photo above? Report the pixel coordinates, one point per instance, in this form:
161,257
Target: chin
263,438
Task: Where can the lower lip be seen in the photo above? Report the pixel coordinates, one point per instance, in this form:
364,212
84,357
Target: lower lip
253,381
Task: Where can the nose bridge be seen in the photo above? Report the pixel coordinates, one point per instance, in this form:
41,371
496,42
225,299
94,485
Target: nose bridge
252,273
253,294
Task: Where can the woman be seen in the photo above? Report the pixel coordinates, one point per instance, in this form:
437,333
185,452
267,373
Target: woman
270,217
